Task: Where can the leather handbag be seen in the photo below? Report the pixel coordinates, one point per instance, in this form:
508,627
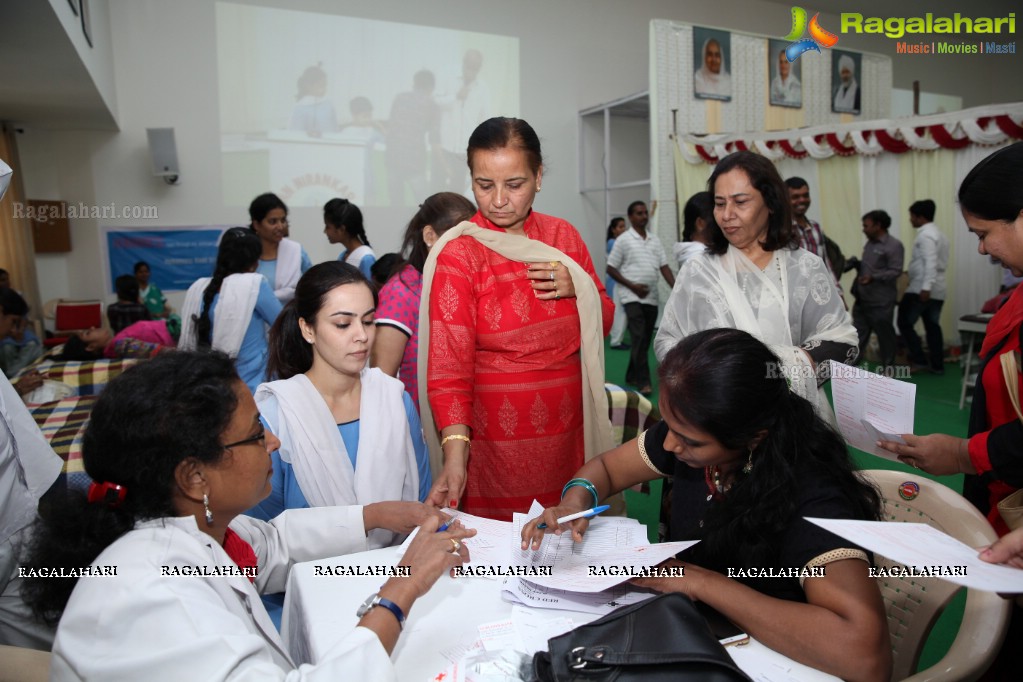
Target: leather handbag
663,638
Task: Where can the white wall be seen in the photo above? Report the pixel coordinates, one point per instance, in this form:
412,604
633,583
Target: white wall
574,54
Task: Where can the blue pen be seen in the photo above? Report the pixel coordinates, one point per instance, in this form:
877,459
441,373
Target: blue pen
445,526
589,513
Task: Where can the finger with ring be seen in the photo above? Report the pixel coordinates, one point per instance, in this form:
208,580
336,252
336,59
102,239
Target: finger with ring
555,264
556,295
456,544
552,275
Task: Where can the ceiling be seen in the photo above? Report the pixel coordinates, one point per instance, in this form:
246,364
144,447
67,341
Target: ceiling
43,82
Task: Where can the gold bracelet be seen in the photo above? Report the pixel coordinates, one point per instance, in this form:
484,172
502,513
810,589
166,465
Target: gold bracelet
456,436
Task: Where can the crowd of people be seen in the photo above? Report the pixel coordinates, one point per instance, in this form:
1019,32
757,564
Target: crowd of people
305,398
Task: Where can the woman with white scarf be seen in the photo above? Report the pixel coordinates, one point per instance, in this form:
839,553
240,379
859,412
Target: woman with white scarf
282,260
350,434
712,79
231,310
754,277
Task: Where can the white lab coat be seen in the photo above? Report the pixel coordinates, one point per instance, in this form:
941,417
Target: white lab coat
141,625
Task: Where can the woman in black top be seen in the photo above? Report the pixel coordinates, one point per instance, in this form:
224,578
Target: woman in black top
750,459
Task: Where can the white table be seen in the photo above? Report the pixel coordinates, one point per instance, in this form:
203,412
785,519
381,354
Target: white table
320,610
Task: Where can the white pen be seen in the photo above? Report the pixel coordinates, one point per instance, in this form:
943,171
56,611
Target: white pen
579,515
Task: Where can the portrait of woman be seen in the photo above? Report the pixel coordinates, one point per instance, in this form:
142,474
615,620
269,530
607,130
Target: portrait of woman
786,82
712,51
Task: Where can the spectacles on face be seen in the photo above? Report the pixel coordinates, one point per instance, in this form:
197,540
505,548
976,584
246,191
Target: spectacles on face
258,438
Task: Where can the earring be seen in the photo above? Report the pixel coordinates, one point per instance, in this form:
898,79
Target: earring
206,505
748,466
538,189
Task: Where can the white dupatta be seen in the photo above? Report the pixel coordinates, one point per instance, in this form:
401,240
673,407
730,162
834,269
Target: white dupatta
289,269
731,291
238,294
386,467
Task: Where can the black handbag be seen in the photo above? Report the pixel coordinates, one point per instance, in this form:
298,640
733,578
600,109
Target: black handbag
663,638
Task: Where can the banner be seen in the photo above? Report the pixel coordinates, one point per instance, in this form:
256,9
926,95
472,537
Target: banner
176,256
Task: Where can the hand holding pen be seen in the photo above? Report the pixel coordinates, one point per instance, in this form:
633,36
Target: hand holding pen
553,519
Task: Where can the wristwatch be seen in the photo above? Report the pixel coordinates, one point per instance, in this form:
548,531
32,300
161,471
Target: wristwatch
376,600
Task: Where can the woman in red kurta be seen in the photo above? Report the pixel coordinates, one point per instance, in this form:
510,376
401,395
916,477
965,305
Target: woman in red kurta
504,362
991,198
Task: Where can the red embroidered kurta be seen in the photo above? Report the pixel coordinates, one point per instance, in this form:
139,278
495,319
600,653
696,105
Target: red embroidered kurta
507,365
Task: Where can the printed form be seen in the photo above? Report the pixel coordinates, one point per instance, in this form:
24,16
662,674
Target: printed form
870,407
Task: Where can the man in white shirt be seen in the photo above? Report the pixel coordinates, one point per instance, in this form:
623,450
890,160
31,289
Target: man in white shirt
634,263
926,291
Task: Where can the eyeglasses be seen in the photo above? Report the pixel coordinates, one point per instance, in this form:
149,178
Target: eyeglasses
258,438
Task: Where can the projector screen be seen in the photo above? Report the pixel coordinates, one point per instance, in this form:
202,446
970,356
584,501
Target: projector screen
316,106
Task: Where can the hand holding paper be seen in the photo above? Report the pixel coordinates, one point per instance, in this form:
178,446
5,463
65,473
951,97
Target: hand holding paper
936,453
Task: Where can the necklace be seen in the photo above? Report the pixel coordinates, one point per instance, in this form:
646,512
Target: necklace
745,277
712,475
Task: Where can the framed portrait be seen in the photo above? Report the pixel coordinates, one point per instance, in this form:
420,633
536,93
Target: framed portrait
845,84
712,55
786,77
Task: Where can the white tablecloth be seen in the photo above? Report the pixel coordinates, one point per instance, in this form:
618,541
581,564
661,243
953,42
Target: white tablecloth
319,610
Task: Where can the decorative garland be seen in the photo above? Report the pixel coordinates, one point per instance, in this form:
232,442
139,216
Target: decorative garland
983,126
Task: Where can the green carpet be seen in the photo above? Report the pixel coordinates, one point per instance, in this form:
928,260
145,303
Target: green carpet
937,411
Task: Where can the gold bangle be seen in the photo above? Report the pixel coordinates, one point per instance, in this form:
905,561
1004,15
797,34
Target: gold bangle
455,436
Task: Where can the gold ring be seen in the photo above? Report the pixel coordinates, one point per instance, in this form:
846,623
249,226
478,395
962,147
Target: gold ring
555,264
456,544
556,295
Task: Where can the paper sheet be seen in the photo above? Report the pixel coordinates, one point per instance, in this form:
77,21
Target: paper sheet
517,590
925,547
535,627
860,396
489,547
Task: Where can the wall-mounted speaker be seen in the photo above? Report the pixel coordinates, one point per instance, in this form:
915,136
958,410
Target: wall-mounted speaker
163,153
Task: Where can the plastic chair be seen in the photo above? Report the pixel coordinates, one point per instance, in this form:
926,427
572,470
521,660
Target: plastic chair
70,317
913,604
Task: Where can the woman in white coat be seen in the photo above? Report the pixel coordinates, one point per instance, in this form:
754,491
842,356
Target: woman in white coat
174,469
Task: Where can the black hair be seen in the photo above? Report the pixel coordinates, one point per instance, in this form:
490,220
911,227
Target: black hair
127,288
992,189
796,182
341,213
263,204
878,217
611,226
633,206
923,208
765,179
700,205
141,264
239,252
76,349
383,268
12,303
144,424
441,211
729,384
500,132
289,353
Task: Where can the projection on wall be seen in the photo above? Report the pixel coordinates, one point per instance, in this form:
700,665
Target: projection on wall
315,106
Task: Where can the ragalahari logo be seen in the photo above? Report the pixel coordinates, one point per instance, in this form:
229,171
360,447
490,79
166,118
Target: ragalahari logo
819,37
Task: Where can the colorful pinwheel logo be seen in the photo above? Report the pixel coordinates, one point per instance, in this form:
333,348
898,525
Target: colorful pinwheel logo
819,37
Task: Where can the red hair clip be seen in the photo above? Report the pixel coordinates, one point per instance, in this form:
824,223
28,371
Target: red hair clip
110,494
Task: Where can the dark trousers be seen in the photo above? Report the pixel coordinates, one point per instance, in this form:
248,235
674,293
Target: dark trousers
911,309
877,319
641,319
